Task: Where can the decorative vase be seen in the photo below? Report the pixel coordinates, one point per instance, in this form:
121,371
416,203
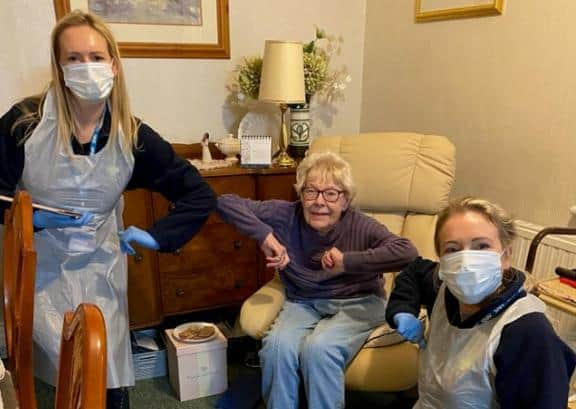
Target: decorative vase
300,124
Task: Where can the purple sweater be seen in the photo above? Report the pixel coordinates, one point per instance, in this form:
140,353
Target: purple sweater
369,248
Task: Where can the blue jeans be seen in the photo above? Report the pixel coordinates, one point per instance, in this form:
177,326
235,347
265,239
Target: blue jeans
317,338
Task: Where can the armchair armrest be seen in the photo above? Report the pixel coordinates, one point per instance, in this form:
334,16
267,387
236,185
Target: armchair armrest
261,309
384,369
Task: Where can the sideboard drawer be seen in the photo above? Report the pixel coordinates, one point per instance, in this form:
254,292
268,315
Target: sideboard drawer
218,244
217,267
228,282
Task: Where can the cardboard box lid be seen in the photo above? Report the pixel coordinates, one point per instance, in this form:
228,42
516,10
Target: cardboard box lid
186,348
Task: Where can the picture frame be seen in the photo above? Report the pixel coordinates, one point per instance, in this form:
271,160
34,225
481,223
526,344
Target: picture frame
432,10
209,40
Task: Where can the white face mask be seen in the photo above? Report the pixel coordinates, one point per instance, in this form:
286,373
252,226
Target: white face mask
90,81
471,275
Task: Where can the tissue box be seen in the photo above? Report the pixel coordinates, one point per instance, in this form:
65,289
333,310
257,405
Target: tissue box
197,369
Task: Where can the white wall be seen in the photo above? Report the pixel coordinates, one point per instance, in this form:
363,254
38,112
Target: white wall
182,98
24,48
503,88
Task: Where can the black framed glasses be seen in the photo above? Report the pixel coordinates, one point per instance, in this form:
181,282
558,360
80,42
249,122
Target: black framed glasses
330,195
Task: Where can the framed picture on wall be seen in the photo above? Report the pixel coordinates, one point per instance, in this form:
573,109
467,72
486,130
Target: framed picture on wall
162,28
430,10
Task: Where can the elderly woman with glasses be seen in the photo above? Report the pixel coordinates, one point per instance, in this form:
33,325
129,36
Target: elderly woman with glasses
331,258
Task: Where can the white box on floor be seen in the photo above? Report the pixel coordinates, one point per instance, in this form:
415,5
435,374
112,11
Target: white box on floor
197,369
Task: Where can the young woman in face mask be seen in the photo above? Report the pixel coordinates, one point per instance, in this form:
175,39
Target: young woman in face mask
489,344
78,146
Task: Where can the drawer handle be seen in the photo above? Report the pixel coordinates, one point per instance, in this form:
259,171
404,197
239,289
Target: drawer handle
179,292
238,283
138,258
177,252
237,244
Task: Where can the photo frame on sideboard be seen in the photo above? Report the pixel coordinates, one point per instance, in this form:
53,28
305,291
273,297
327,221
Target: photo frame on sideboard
199,29
432,10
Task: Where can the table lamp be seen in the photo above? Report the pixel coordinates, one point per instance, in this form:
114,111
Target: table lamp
282,82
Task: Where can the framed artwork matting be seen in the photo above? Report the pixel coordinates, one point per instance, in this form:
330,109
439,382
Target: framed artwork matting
163,28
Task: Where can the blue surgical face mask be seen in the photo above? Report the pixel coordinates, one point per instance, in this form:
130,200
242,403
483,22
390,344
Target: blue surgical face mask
471,275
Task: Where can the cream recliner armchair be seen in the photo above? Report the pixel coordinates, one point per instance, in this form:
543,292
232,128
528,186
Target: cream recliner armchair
403,180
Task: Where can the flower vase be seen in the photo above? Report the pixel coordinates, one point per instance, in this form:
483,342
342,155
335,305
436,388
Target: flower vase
300,124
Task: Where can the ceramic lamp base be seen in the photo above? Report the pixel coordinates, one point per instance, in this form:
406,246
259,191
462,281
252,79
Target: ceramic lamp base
300,124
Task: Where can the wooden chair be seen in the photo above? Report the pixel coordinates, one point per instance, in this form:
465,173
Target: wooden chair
82,368
19,263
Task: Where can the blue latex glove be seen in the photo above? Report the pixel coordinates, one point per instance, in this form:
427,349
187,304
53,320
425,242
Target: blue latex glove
410,328
138,236
49,220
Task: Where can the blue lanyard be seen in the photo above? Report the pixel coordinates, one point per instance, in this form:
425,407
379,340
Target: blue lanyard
500,307
94,140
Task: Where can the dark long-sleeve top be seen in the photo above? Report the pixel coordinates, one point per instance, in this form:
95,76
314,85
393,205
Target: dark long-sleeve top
533,365
368,247
156,168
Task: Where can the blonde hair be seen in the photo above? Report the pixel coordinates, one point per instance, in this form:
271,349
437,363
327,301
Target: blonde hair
491,212
119,105
325,166
497,216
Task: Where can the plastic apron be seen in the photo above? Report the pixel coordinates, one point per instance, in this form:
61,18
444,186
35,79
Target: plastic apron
79,264
456,369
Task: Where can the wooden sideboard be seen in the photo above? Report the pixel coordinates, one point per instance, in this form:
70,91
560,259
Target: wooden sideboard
218,267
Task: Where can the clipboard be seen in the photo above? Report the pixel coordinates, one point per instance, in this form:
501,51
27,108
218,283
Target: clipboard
50,209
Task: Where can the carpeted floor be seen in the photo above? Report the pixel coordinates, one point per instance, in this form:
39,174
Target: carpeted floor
156,393
243,382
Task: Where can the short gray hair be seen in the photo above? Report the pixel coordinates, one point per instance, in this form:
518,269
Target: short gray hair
324,166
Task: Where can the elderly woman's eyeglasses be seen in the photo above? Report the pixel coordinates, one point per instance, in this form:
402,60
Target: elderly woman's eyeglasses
330,195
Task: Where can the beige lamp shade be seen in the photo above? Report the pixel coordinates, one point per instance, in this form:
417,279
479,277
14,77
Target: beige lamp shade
282,79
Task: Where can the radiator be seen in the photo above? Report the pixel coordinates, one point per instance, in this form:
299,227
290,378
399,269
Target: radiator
552,252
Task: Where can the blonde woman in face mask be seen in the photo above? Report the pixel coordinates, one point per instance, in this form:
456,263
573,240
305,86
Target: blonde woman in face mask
78,146
490,344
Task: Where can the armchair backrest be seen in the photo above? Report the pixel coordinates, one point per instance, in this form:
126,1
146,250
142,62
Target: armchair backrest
403,179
